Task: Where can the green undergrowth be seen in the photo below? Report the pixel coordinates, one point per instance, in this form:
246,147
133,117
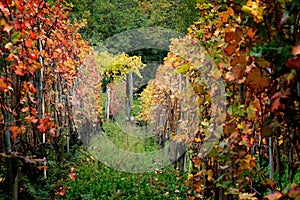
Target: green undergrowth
94,180
129,137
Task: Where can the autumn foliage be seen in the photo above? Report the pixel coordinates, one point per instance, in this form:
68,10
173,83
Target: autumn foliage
254,49
42,66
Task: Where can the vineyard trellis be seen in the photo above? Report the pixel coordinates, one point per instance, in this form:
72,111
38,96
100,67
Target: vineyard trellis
257,56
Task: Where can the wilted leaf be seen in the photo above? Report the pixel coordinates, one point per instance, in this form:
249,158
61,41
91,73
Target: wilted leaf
262,63
276,105
266,131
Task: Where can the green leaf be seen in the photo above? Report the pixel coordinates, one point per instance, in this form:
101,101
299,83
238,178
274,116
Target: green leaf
16,36
184,68
204,123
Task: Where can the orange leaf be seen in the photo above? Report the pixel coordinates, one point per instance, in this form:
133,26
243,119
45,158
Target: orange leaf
11,57
226,14
3,86
28,42
20,72
251,33
14,131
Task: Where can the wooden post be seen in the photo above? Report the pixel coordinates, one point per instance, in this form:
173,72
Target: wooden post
129,96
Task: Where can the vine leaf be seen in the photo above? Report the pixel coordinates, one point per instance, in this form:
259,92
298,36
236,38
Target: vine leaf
230,49
226,14
247,196
274,196
258,80
276,105
293,63
239,63
296,50
268,183
255,9
294,192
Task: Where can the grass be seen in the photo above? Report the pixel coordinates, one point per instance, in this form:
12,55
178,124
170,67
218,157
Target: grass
94,180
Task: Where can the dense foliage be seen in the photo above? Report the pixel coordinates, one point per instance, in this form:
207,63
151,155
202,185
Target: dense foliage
42,57
253,47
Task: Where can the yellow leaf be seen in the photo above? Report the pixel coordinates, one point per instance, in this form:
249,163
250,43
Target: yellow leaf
209,175
255,9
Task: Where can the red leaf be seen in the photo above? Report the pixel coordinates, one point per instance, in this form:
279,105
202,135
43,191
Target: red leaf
293,63
42,128
33,56
33,35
